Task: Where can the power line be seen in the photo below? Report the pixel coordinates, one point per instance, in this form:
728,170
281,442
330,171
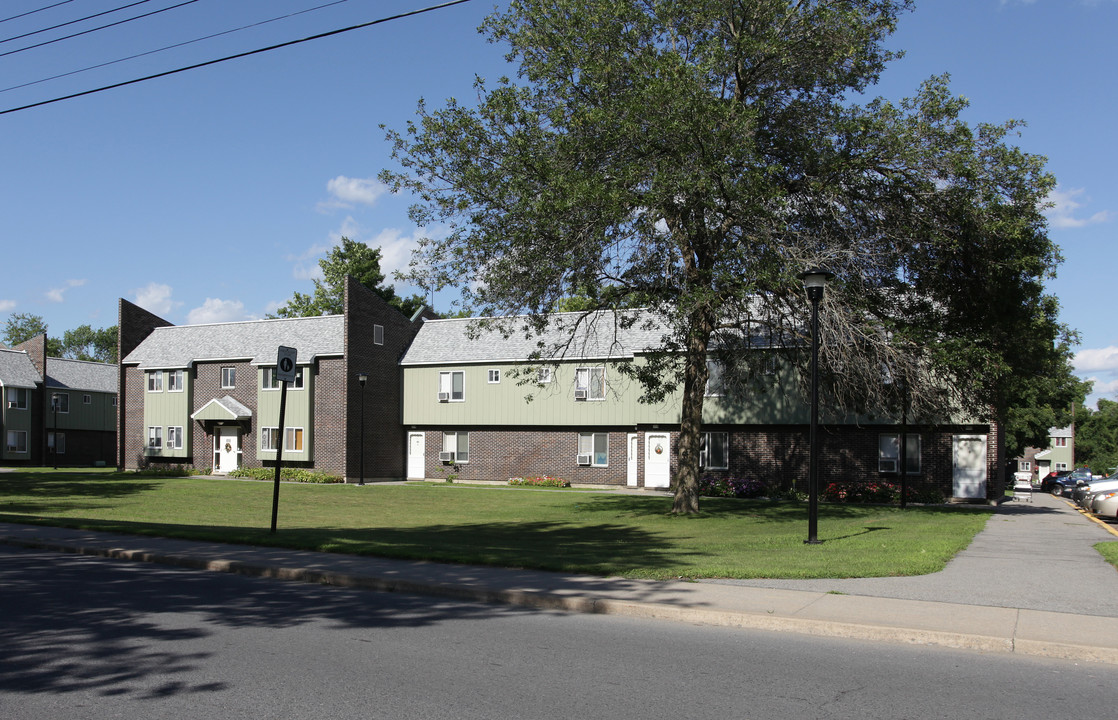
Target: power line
93,30
170,47
32,12
235,57
72,22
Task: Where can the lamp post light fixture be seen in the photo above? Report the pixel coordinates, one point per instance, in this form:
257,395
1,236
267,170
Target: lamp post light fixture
362,378
815,280
55,401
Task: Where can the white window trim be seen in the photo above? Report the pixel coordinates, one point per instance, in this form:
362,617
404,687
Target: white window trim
267,444
896,459
715,386
589,373
232,371
17,436
155,381
456,434
544,376
593,436
704,451
176,432
289,432
449,374
378,334
494,375
268,373
53,437
171,374
17,393
61,402
157,432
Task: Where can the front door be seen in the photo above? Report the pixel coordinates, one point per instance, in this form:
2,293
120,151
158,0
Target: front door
227,449
657,460
417,466
969,452
632,460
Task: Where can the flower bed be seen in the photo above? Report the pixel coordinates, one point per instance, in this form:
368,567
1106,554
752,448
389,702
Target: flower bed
541,481
711,486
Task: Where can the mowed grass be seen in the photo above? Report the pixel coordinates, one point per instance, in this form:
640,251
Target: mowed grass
595,533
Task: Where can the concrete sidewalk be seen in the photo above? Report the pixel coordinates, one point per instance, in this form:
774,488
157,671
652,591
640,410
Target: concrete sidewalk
1030,583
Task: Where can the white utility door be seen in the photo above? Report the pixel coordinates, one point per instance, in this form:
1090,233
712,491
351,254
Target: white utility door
227,449
417,460
657,460
969,453
632,460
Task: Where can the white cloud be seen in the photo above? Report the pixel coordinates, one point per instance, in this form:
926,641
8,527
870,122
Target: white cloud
1097,360
215,310
1065,207
56,294
346,192
155,298
7,305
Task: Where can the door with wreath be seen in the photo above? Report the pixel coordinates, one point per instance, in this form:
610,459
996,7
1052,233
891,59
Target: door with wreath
227,449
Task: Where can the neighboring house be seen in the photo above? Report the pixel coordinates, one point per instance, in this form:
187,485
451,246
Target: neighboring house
466,409
55,410
1060,454
207,396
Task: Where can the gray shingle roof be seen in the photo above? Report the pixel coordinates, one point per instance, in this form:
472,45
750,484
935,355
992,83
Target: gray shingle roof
257,340
17,370
81,375
585,336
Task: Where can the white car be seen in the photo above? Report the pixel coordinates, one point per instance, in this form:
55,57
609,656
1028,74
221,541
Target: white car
1085,494
1105,504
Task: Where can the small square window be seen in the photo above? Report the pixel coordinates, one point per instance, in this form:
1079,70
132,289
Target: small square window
87,399
543,376
228,377
494,377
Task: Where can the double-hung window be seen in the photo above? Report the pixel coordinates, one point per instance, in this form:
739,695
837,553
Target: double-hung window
715,451
155,381
293,440
60,402
452,386
269,438
228,377
590,383
593,449
494,377
456,447
889,453
272,382
155,437
715,385
174,381
56,442
174,437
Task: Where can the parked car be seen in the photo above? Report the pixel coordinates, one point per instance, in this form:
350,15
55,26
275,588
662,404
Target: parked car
1105,504
1065,486
1085,492
1050,479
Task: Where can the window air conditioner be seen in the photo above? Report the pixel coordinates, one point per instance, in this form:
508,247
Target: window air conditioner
446,457
443,397
580,394
583,459
886,466
11,404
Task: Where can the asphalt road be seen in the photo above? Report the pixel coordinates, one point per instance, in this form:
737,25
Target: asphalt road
88,638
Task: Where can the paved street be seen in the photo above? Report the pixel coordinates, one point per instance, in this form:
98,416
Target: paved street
92,638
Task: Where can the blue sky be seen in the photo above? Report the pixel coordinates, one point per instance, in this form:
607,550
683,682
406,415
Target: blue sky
210,195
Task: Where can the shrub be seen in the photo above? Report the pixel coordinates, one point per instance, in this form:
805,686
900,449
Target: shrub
541,481
286,473
881,492
711,486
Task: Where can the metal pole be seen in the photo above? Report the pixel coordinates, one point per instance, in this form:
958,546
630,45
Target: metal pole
813,465
361,479
279,454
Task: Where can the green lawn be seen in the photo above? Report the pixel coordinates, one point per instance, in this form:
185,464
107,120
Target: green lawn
603,534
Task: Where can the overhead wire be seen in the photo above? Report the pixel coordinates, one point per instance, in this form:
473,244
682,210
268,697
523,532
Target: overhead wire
36,10
171,47
237,56
93,30
74,22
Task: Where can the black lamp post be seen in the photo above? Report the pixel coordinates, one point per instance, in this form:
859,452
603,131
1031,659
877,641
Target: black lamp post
815,280
362,378
54,402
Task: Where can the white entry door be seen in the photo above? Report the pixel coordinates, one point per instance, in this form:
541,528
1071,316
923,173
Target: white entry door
417,465
969,453
227,449
632,460
657,460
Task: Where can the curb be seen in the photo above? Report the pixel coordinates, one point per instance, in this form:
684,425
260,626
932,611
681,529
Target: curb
601,606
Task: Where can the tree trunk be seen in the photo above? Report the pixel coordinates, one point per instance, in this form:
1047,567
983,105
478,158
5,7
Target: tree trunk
691,412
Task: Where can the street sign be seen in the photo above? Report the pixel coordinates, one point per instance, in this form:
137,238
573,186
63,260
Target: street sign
285,364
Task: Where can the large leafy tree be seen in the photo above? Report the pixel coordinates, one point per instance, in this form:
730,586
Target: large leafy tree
1096,437
348,258
86,343
21,327
695,156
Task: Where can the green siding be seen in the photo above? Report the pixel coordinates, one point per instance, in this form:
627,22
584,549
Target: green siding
298,413
15,420
99,414
169,409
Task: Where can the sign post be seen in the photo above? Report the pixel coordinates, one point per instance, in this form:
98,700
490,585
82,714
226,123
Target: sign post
285,373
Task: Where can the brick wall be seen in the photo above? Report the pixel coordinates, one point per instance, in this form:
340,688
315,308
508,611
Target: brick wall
133,325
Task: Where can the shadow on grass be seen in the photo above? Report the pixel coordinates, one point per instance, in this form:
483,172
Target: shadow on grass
47,491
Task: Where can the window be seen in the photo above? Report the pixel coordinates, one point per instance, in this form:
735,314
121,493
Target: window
1060,442
593,449
456,447
271,382
1024,465
715,385
715,451
114,400
17,398
155,381
888,455
56,443
155,437
452,386
87,399
228,377
590,383
494,377
61,400
174,437
17,441
269,438
293,440
378,334
1061,466
543,376
174,381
